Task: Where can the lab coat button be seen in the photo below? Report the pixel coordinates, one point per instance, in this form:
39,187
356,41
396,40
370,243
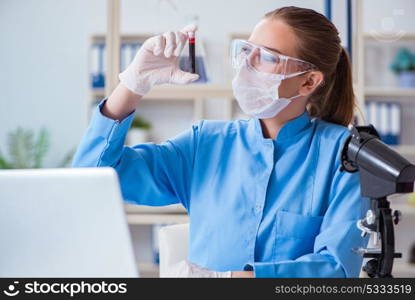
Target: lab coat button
258,208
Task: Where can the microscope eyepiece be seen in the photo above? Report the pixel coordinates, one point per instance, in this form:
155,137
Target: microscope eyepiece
386,172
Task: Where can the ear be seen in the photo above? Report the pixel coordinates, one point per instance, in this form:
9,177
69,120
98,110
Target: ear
312,80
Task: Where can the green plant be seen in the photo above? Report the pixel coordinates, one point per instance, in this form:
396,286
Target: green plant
404,61
27,152
141,123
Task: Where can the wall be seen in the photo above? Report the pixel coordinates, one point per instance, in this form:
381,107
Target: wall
388,16
43,73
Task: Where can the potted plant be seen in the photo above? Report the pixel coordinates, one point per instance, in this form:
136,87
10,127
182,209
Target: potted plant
27,152
404,67
139,131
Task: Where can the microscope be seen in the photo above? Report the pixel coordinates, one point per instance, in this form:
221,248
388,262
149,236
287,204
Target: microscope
383,172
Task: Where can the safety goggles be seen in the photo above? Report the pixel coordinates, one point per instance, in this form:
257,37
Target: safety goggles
262,60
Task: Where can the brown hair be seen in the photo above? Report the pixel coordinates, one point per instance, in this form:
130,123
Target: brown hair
319,44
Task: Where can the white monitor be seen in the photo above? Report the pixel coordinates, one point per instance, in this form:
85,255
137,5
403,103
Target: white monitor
63,223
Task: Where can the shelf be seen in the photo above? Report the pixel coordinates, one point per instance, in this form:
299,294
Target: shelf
391,92
151,219
148,215
403,269
124,37
143,209
98,92
210,90
406,36
148,269
405,149
191,91
183,92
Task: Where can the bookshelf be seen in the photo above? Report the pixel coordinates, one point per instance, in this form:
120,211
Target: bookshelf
372,54
387,89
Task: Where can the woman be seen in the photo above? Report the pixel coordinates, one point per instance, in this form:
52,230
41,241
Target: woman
265,196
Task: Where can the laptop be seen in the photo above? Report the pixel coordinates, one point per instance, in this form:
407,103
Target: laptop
63,223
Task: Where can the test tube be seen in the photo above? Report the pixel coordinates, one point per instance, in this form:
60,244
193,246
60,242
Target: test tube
192,54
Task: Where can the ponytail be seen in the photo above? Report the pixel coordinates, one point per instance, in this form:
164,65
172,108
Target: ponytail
319,44
335,100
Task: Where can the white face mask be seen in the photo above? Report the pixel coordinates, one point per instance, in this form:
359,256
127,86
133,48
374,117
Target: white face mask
257,92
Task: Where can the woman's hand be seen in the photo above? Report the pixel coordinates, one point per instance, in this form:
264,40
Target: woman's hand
157,62
187,269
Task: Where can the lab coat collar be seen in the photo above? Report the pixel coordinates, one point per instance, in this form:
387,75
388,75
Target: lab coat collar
290,130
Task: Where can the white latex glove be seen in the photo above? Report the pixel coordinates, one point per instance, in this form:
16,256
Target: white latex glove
187,269
157,62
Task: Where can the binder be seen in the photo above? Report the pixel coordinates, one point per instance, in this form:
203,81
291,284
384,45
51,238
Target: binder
373,114
395,123
124,57
98,65
132,50
383,122
386,117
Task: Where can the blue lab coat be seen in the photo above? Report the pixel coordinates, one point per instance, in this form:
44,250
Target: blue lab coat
281,208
